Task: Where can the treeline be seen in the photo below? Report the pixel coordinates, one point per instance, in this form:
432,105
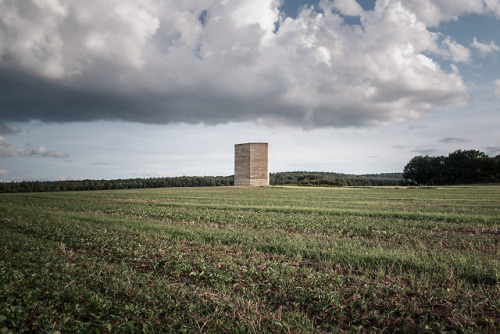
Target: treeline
79,185
334,179
459,167
282,178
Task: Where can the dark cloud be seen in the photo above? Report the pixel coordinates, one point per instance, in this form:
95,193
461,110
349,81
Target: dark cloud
427,151
25,97
451,140
204,62
492,150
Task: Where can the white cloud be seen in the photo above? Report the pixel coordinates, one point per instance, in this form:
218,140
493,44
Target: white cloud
456,52
433,12
7,150
35,35
483,48
42,152
493,6
158,62
4,172
497,88
348,7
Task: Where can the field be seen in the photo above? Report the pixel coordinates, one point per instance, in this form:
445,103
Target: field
251,260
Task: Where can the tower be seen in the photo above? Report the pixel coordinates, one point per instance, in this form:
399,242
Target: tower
251,164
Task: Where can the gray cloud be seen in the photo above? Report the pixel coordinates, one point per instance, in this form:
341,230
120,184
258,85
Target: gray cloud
450,140
166,65
427,151
7,150
8,129
492,150
42,152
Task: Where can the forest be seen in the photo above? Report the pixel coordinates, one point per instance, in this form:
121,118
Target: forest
137,183
304,178
282,178
459,167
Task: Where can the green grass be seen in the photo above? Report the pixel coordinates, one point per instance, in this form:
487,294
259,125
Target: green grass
251,260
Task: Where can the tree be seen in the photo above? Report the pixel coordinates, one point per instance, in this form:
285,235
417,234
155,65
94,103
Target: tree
418,170
469,166
466,167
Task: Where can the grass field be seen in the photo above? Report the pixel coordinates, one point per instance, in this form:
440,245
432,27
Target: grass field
251,260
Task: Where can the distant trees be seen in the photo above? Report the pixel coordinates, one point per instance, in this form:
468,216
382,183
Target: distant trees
460,167
296,178
80,185
319,180
333,179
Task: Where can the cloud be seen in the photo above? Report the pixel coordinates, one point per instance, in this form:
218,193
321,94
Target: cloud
497,88
450,140
493,6
493,150
7,150
433,12
4,172
215,61
348,7
8,129
42,152
455,51
485,49
428,151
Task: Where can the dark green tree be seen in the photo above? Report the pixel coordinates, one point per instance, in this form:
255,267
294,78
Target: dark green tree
419,170
467,166
460,167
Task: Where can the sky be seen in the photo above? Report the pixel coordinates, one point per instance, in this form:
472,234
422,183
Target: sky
152,88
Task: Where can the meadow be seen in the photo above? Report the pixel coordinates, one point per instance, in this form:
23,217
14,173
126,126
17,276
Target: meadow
270,259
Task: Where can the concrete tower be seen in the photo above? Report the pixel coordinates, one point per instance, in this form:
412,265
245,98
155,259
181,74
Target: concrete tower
251,164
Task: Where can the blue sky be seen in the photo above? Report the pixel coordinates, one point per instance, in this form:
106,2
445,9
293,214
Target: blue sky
147,88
